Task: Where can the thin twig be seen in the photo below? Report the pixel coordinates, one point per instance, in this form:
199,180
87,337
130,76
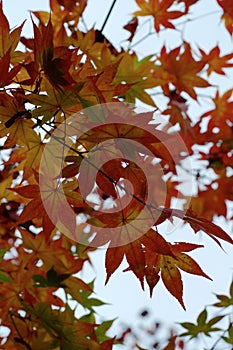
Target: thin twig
84,24
218,340
141,201
20,339
188,20
142,39
108,15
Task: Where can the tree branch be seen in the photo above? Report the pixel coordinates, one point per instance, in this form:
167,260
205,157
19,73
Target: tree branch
108,15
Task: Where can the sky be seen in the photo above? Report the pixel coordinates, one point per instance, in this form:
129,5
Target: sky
123,291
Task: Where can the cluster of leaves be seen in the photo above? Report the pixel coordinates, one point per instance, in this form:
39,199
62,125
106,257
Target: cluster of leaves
62,70
149,331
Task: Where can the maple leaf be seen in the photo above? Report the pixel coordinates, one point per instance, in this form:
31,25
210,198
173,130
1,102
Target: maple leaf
146,138
9,40
159,10
155,256
15,120
55,61
60,321
122,227
4,30
197,223
225,300
34,209
138,74
6,75
103,84
177,109
135,257
169,266
218,157
227,16
131,27
72,169
182,69
220,137
202,326
210,228
18,131
215,62
66,68
49,105
28,157
62,12
56,66
53,254
48,204
221,114
172,344
204,207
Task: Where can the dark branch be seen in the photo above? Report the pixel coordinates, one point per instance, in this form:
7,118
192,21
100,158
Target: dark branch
108,15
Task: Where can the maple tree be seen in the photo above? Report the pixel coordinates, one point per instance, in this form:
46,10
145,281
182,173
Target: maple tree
82,166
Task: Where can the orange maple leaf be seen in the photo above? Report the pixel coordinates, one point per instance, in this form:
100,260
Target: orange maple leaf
182,70
211,200
227,16
221,114
215,62
159,10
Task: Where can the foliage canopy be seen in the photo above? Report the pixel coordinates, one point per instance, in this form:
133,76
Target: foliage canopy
61,200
